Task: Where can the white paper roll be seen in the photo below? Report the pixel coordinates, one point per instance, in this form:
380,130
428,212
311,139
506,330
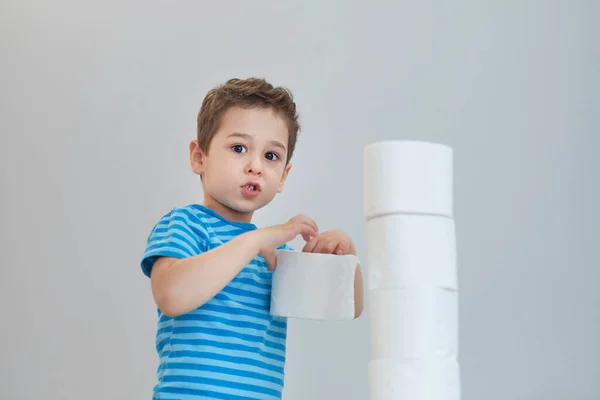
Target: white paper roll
437,379
413,323
313,286
404,176
411,250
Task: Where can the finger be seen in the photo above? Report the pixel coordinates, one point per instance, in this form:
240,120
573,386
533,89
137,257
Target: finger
314,225
341,248
321,247
308,247
310,222
306,230
330,247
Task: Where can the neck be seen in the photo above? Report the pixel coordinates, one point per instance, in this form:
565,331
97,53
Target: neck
226,212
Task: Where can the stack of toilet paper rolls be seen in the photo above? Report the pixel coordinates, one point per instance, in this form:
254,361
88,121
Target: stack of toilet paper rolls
411,271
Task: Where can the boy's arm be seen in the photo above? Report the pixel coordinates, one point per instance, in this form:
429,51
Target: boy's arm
180,285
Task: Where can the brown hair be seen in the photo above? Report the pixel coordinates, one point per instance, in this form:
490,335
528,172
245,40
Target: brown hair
247,93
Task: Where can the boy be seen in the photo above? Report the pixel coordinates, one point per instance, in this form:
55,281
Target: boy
210,267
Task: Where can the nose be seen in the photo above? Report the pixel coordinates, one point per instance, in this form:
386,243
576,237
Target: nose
254,165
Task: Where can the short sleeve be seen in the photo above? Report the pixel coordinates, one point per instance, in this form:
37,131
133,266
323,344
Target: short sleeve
178,234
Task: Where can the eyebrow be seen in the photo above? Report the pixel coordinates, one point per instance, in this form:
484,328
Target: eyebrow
249,137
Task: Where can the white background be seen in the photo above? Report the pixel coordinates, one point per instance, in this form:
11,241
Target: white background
98,104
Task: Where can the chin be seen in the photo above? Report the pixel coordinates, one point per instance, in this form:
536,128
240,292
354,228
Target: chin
238,206
248,206
242,210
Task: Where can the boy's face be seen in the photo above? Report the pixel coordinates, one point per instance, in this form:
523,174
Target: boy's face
246,162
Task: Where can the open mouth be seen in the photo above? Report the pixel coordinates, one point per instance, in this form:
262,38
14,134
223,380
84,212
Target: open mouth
252,187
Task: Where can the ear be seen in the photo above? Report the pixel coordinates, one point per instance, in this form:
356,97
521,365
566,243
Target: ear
197,158
286,171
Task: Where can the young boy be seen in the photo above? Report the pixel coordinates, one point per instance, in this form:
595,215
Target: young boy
210,267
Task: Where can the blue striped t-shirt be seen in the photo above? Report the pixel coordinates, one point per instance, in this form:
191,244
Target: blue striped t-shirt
230,347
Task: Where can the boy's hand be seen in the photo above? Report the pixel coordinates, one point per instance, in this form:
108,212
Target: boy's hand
330,242
275,236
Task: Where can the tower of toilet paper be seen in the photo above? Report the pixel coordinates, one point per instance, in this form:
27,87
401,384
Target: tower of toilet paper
411,271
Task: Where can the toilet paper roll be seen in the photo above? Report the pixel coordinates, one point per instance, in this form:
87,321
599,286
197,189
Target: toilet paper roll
411,250
437,379
403,176
313,286
413,323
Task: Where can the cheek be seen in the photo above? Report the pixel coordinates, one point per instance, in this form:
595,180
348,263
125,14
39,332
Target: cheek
218,171
275,174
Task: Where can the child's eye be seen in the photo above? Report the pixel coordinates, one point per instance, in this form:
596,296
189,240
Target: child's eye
238,148
271,156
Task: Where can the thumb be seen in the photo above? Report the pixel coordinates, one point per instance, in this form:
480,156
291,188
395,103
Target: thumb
271,260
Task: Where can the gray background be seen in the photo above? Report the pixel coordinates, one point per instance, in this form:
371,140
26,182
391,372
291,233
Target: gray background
99,103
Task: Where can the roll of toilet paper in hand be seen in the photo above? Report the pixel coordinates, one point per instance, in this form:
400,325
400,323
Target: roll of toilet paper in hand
437,379
313,286
404,176
411,323
407,250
